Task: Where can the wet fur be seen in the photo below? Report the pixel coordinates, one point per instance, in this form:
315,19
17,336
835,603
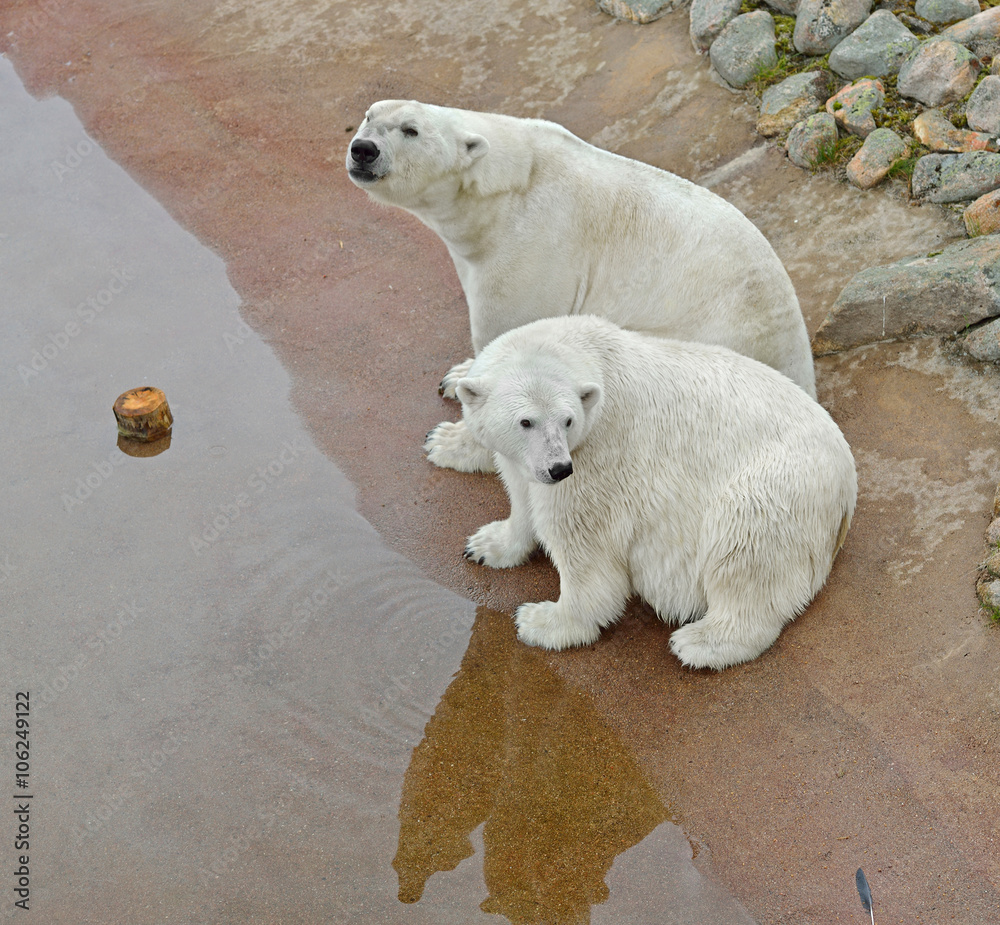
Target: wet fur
703,481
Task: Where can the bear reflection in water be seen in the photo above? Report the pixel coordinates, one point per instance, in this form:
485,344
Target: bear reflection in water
514,748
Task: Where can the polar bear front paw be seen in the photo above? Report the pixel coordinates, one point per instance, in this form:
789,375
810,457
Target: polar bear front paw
497,546
547,625
451,446
458,371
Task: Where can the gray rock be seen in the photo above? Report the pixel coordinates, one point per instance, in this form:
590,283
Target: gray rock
989,594
939,294
811,139
983,26
933,129
744,48
785,7
938,72
983,216
709,18
983,343
852,106
638,11
784,105
983,109
882,148
915,25
876,48
940,11
955,177
821,24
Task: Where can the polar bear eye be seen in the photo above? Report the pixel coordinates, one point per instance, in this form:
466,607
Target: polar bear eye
525,423
569,422
410,132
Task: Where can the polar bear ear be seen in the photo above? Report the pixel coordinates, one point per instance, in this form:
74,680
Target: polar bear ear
590,396
470,392
474,147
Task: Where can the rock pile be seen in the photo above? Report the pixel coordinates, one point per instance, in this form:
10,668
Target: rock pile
909,87
988,584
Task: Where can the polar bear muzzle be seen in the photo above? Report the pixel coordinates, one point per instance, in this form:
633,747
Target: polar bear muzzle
560,471
364,154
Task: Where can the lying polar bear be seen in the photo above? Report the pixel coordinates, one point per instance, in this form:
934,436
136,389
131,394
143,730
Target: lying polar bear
699,479
540,223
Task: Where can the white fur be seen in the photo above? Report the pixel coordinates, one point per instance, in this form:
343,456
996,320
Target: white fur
702,481
539,223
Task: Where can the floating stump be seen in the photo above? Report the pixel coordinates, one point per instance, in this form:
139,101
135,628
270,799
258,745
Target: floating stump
143,414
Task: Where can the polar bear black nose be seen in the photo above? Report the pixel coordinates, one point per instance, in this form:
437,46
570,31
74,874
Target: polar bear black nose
364,151
561,471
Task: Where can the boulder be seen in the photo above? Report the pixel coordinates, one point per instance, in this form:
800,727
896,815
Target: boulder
852,107
983,216
882,148
955,177
983,26
983,343
988,592
785,7
821,24
938,294
638,11
938,72
785,104
941,11
812,139
876,48
709,18
744,48
982,112
934,130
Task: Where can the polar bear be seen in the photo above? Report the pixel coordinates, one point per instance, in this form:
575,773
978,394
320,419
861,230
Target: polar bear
697,478
539,223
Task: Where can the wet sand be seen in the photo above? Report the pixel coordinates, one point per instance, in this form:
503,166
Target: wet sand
297,777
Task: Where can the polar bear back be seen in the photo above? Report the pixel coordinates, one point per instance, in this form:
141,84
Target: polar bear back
540,223
695,451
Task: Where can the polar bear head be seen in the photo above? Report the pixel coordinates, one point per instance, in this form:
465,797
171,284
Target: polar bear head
533,412
408,154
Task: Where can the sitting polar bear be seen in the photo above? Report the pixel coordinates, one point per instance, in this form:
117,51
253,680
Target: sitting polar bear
540,223
699,479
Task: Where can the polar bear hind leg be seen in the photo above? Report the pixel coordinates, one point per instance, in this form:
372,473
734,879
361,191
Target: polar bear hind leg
762,570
